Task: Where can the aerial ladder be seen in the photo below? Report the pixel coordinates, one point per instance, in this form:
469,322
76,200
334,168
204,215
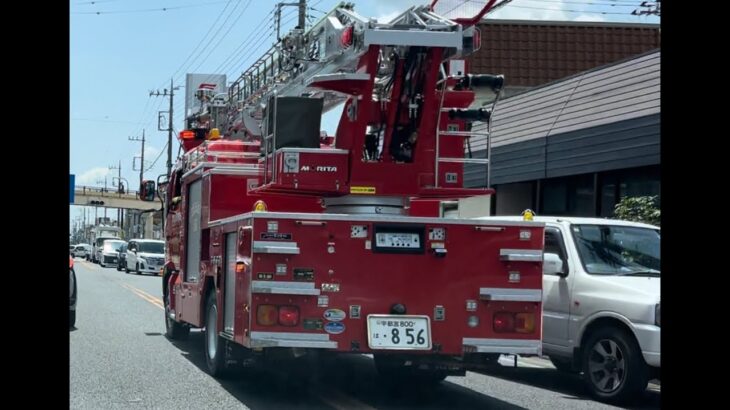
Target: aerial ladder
405,91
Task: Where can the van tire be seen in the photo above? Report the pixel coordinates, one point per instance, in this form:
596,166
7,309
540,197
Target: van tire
612,357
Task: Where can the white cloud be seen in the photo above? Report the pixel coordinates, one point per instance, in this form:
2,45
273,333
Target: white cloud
386,10
589,17
91,176
150,152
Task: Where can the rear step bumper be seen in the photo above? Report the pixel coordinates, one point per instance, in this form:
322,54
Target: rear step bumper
284,339
503,346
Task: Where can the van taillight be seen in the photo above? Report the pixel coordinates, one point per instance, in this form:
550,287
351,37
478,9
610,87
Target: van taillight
503,322
288,315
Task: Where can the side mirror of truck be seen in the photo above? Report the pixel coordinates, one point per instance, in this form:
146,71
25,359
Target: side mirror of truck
147,191
553,265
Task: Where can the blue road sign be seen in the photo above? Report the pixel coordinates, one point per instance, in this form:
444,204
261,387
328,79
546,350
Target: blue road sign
71,185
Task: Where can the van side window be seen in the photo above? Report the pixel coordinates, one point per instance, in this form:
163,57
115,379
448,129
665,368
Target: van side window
554,244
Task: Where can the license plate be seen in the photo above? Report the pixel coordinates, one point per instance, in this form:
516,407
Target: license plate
400,332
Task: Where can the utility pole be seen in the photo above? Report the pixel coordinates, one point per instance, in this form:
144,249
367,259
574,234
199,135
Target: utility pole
302,4
141,165
103,192
302,14
119,188
169,129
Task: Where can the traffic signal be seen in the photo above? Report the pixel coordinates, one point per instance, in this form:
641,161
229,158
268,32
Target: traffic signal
98,203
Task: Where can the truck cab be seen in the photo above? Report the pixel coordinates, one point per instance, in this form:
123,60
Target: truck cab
601,302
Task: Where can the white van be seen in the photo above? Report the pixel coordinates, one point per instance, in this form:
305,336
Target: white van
145,255
601,302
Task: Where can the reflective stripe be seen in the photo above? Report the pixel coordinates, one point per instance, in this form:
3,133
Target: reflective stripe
511,295
290,248
284,288
523,255
504,346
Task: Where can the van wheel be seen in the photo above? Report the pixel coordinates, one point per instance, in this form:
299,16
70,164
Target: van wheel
215,346
613,367
136,269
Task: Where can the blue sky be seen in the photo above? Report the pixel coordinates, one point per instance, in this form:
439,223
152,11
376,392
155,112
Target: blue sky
120,50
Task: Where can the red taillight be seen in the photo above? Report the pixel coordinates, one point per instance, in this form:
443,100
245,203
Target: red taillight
288,315
187,135
525,322
266,315
503,322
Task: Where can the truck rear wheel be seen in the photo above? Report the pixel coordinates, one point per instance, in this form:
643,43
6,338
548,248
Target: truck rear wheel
613,367
174,330
215,346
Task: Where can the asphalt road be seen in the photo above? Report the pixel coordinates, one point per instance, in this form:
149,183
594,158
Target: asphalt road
120,359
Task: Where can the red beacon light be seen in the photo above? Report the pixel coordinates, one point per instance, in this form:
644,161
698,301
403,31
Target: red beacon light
346,37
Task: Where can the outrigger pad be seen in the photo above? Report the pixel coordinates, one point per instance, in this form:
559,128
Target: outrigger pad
297,121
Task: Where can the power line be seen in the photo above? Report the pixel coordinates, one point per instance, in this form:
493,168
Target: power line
227,61
587,2
149,10
94,2
242,49
202,39
571,11
213,37
243,10
228,64
162,151
103,120
653,7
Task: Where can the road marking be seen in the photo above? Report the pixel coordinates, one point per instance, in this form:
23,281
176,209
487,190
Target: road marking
144,295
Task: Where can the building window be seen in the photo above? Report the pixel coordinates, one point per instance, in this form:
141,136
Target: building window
568,196
614,185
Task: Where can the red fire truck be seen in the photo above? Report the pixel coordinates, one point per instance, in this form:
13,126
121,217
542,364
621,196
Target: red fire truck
283,240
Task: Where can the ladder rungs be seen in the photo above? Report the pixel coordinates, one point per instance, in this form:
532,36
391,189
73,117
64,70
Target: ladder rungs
465,160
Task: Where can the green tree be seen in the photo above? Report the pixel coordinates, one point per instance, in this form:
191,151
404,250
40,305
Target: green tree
639,209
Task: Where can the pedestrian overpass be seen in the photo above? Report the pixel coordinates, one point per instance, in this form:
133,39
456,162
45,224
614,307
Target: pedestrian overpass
105,198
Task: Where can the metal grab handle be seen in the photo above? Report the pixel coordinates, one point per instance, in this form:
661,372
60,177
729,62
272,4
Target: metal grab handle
311,223
489,228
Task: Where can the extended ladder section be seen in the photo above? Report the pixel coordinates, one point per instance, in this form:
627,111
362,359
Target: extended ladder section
496,83
323,61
